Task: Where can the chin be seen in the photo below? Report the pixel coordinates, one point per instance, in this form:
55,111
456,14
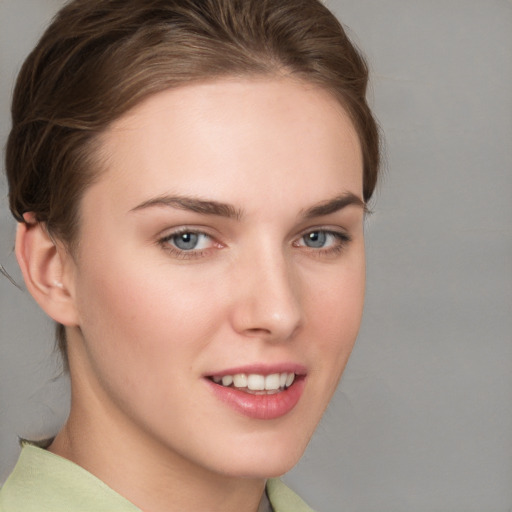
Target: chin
263,458
260,469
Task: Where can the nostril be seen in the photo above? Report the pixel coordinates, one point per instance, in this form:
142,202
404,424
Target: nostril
258,331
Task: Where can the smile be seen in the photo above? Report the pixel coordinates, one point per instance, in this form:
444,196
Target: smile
260,393
256,383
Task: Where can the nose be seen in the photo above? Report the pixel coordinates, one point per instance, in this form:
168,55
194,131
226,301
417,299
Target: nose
266,295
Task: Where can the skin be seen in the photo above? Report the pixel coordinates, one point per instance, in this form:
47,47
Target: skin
146,322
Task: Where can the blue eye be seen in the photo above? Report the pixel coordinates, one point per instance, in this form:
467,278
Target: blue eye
185,241
189,241
324,241
316,239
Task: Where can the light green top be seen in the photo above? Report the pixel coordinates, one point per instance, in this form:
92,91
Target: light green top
45,482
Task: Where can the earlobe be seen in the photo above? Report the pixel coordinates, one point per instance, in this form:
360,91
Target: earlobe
45,269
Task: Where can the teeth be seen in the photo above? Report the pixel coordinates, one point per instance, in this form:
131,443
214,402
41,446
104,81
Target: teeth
240,380
227,380
272,382
257,382
290,379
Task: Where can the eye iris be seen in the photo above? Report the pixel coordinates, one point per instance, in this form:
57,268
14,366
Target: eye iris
186,241
315,239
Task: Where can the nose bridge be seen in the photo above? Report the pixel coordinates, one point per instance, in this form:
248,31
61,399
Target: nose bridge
268,303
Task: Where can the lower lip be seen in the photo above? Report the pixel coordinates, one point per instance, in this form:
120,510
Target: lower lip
261,407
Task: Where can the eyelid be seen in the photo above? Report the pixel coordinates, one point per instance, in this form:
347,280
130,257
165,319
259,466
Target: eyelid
168,233
165,242
333,230
341,235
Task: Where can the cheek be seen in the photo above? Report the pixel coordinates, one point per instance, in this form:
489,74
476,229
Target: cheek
334,314
138,318
143,333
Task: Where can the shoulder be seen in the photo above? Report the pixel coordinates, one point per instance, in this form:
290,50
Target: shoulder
43,481
283,499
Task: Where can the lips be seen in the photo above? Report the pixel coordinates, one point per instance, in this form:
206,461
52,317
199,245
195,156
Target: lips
259,393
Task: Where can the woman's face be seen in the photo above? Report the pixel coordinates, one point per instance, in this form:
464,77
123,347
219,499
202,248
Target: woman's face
219,277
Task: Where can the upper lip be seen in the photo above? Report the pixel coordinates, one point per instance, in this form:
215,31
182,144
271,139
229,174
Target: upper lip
262,369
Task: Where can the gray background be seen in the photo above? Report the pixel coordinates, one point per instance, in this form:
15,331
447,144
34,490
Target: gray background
423,419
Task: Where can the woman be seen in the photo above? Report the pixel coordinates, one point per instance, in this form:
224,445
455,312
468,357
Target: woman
190,181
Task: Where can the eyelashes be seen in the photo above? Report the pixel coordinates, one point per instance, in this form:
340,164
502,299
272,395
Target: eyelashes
190,240
191,243
323,241
186,243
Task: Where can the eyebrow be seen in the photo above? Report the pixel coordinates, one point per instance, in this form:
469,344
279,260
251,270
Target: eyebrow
335,204
205,207
209,207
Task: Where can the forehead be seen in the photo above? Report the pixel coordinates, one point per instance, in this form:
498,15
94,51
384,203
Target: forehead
265,133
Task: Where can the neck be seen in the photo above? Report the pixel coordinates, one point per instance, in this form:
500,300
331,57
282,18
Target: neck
152,476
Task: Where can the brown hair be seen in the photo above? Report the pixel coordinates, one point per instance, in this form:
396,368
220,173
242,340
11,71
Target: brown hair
99,58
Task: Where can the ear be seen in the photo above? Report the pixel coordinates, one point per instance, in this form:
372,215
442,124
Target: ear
47,270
